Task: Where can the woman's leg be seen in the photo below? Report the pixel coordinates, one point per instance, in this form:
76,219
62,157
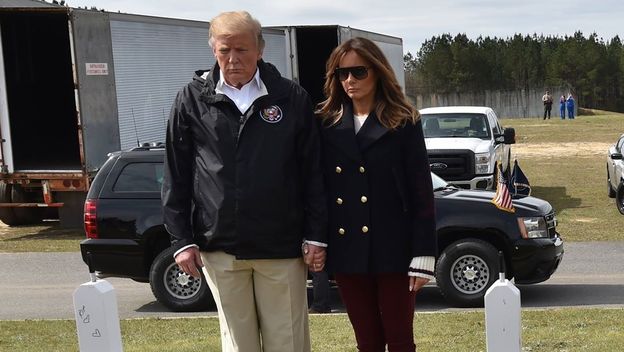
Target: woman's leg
397,311
359,295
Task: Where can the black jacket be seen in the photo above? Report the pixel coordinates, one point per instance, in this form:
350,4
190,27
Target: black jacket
380,198
248,184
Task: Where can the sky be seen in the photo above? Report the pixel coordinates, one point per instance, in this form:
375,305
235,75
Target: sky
415,21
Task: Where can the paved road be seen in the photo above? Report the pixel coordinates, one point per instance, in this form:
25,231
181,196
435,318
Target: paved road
40,285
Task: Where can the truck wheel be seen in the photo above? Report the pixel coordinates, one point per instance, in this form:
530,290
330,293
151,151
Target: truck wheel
610,190
26,215
7,215
619,198
176,290
465,270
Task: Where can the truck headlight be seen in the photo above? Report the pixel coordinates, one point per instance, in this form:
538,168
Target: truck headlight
533,227
482,163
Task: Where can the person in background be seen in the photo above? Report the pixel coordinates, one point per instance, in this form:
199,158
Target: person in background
562,107
321,292
570,106
547,99
381,242
243,194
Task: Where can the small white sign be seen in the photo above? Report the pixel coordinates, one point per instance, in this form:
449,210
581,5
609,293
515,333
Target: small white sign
97,69
97,319
503,317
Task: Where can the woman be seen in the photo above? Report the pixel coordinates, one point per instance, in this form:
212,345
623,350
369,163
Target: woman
381,224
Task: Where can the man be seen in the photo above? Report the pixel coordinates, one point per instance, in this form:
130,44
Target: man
243,190
548,101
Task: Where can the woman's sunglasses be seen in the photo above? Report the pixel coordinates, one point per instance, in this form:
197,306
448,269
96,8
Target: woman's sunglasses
358,72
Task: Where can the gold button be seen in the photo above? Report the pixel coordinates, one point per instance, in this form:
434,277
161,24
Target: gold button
364,199
364,229
362,169
338,201
341,231
338,169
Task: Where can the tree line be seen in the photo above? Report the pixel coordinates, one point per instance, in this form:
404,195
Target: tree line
591,68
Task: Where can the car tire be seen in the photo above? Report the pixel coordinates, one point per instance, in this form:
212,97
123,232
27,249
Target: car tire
26,215
619,198
7,215
465,270
610,190
176,290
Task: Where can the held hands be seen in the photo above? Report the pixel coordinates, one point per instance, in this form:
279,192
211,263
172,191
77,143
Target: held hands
189,261
314,257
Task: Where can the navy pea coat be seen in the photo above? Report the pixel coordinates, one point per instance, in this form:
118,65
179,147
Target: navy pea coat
380,197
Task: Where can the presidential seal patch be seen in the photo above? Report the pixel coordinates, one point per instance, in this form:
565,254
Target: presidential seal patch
272,114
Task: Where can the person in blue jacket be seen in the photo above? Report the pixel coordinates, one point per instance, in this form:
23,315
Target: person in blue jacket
562,107
570,106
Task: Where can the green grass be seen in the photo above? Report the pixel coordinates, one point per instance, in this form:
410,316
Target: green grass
567,330
565,161
39,238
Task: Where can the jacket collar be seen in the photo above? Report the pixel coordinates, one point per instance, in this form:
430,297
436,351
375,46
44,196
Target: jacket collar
342,134
370,132
268,73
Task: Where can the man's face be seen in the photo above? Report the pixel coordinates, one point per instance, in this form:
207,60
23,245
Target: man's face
237,56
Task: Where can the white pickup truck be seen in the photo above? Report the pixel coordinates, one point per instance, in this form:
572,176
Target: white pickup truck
464,143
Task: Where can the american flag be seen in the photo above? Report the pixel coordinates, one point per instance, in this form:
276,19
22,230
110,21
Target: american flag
502,198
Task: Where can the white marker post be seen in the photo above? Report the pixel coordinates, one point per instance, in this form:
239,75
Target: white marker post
97,320
503,322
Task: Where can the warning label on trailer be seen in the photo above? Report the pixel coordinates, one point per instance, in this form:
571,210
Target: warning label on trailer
97,69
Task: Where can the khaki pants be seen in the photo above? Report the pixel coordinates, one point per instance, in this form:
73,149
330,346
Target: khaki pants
262,303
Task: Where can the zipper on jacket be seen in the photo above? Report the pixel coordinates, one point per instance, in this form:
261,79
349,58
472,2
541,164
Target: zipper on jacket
242,120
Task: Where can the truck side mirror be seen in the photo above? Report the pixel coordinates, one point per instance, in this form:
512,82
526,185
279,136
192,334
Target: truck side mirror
616,156
509,136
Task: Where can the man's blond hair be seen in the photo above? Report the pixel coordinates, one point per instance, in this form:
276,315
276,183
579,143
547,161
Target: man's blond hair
235,22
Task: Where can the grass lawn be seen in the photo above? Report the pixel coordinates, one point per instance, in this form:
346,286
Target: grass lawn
565,162
47,237
566,330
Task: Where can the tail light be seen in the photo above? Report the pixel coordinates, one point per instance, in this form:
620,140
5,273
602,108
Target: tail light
90,218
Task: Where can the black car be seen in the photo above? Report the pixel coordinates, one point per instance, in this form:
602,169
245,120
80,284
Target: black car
126,236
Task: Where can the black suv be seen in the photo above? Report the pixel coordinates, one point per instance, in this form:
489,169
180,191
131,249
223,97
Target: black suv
126,236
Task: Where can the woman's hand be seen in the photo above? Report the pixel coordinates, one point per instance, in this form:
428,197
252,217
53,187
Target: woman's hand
416,283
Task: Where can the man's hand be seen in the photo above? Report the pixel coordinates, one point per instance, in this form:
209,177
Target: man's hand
416,283
189,261
314,257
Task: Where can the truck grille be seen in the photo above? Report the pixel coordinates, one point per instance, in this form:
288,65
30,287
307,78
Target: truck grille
551,223
452,165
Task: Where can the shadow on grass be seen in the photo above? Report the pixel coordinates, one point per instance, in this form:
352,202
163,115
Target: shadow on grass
556,196
40,232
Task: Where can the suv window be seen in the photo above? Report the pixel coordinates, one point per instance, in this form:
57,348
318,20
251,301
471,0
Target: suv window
140,177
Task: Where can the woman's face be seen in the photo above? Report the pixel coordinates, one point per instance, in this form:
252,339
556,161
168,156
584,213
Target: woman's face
357,88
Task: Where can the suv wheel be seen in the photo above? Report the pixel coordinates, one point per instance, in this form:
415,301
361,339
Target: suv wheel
465,270
610,190
619,198
176,290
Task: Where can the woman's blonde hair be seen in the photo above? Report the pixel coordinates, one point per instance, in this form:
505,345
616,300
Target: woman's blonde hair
391,106
235,22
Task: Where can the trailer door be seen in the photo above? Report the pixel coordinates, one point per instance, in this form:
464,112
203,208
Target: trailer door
153,59
5,131
38,105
